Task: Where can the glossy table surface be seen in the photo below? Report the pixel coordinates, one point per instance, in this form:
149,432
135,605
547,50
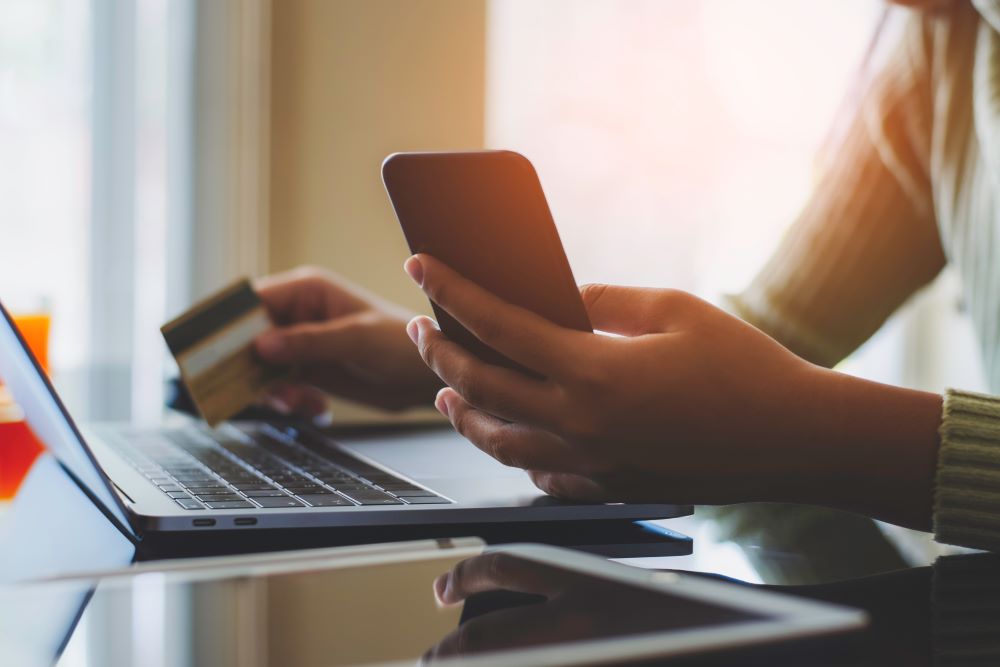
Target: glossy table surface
927,604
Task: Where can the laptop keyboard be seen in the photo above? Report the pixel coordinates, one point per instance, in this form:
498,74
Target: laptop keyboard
262,467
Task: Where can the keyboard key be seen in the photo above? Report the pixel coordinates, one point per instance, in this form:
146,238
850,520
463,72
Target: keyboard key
372,497
189,504
265,493
426,500
290,478
304,488
218,497
285,501
339,481
199,480
348,488
178,494
406,490
167,488
208,490
331,500
230,505
253,486
243,478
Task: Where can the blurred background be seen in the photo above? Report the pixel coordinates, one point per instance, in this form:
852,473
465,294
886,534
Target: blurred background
153,150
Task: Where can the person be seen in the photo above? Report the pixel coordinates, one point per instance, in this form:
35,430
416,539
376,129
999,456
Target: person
693,404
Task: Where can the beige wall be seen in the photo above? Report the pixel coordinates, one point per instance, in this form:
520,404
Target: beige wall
352,81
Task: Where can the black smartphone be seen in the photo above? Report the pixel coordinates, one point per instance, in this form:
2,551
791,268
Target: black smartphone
483,213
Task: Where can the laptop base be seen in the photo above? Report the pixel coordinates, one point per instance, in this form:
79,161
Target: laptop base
610,538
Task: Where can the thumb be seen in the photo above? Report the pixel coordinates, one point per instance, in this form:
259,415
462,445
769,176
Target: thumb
309,342
628,311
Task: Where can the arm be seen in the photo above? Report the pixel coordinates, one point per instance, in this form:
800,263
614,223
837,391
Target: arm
689,405
867,240
693,407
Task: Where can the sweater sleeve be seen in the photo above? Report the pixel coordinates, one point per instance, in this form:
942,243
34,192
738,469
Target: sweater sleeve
868,238
967,485
966,610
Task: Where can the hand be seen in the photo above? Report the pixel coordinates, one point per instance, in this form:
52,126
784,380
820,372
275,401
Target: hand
688,405
549,606
339,339
546,605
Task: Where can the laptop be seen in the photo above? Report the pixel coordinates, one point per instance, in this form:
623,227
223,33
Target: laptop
252,476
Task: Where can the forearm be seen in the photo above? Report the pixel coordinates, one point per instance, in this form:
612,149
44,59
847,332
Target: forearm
872,448
868,238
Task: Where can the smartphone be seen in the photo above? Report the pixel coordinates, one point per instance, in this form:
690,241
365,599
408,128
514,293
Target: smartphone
483,213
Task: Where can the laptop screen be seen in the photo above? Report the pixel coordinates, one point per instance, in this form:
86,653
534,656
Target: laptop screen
50,421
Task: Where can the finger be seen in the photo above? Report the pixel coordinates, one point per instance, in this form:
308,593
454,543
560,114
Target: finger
512,444
338,380
332,341
297,399
521,335
306,294
499,391
631,311
567,486
531,625
495,571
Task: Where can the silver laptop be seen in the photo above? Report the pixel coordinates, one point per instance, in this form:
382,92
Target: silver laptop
258,475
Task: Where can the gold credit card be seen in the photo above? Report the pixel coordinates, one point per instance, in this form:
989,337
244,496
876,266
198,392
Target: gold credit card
213,345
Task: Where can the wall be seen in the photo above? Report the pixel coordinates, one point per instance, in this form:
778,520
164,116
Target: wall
351,82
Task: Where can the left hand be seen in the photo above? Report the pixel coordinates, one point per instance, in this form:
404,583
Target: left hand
688,405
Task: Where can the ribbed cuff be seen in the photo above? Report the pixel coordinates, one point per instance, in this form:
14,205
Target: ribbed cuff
966,604
967,487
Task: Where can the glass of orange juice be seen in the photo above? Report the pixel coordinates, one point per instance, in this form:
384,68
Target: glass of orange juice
18,445
34,327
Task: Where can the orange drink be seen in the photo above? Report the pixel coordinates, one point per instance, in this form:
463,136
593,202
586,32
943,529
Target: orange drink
34,327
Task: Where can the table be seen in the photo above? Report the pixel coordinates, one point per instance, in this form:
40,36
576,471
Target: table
921,603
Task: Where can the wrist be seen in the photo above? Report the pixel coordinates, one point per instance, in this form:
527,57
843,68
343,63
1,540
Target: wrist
872,448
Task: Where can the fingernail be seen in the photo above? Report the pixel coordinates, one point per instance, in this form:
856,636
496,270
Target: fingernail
441,404
270,345
279,406
448,595
439,586
413,331
415,269
323,419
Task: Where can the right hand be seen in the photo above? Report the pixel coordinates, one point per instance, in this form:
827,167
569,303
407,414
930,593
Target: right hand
341,340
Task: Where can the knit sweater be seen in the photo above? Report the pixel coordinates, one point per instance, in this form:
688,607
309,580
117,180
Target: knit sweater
915,185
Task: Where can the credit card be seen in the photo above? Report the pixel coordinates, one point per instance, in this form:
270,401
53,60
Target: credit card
213,345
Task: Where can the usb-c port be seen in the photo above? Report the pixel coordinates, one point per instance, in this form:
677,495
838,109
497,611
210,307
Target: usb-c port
204,522
245,521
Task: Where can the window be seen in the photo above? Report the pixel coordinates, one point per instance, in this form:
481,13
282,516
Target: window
45,171
676,142
86,188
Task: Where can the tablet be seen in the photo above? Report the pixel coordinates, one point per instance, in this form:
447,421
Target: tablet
483,213
381,605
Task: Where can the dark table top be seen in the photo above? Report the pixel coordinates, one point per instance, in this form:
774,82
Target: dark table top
928,604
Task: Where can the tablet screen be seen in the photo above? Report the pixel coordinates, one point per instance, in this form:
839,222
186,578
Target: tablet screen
364,614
